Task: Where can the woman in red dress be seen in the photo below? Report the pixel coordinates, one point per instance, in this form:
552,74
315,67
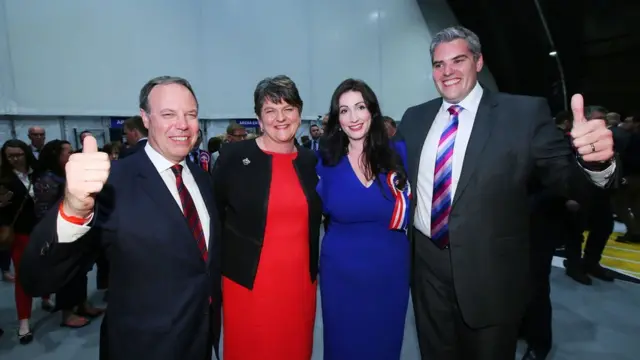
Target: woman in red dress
271,215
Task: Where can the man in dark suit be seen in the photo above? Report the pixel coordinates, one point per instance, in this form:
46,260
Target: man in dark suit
315,133
154,213
200,157
470,215
136,135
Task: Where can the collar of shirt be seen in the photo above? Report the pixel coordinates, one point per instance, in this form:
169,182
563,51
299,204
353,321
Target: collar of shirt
469,103
159,162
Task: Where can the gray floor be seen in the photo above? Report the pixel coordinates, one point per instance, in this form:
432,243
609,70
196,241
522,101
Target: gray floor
590,323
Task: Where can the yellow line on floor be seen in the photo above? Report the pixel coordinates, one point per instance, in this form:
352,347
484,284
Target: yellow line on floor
621,256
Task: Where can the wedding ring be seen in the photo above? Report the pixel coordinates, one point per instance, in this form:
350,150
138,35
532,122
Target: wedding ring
593,148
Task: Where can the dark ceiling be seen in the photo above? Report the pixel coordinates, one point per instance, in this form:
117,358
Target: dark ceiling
598,43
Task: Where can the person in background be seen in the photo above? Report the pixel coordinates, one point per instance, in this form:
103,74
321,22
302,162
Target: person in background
235,133
365,258
270,215
16,175
37,136
136,134
200,157
390,125
596,216
213,146
325,120
48,191
304,141
82,136
548,229
613,119
113,149
314,143
5,254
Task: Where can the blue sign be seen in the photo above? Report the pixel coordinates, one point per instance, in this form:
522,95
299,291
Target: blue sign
118,122
248,123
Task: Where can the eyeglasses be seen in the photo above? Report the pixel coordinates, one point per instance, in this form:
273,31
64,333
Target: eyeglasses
15,156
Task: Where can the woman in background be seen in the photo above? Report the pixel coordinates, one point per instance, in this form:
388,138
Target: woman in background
271,213
113,149
48,190
16,175
365,258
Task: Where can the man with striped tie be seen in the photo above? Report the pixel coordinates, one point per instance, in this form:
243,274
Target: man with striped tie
470,156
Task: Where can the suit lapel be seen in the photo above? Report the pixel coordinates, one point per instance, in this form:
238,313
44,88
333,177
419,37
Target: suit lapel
151,182
206,190
482,127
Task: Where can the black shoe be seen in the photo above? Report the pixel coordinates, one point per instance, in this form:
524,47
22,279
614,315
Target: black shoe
576,272
598,272
532,355
26,338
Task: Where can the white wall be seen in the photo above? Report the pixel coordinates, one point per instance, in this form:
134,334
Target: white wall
7,103
79,57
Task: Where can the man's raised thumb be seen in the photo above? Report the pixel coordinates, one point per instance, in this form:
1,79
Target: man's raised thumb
89,144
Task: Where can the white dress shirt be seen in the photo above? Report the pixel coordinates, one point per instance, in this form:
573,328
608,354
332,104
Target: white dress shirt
466,118
26,181
69,232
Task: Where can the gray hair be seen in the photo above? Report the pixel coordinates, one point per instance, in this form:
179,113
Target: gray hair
276,89
162,80
454,33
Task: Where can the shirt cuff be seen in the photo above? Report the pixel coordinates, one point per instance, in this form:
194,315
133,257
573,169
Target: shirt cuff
601,178
69,232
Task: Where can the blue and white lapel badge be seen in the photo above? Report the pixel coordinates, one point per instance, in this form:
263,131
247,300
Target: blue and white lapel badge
246,161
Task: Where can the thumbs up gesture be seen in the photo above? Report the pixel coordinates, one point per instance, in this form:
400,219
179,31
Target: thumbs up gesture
86,173
591,138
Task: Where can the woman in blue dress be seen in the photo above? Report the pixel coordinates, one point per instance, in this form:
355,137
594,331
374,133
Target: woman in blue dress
364,261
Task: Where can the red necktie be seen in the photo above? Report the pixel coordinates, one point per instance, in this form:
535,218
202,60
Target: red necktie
190,212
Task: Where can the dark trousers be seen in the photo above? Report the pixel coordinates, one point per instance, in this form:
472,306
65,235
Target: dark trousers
73,294
536,325
442,332
5,260
596,217
102,274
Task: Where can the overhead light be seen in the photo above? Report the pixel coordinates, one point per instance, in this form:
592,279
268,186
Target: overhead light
553,53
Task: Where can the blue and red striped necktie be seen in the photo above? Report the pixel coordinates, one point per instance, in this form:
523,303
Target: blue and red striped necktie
442,181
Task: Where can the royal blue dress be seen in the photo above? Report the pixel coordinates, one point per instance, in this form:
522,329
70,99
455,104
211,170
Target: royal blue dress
364,265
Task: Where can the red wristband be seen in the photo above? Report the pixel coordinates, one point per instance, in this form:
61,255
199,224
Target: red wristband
72,219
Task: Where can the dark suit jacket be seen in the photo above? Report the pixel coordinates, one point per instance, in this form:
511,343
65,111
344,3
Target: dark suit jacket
242,194
513,138
159,284
133,149
26,219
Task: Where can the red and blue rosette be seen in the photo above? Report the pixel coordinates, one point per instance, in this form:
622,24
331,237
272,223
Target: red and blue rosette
400,217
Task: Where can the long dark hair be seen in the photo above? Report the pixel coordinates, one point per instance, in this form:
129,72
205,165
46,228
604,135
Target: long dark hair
50,157
378,155
6,169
